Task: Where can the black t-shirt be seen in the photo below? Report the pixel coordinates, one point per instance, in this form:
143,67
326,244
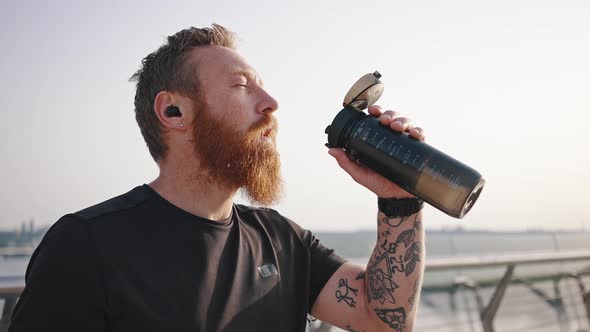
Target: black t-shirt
138,263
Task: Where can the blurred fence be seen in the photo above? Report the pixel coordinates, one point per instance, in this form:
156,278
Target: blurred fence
10,290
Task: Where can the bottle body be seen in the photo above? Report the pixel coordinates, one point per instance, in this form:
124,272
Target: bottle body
415,166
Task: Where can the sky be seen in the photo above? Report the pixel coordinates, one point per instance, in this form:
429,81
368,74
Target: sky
503,86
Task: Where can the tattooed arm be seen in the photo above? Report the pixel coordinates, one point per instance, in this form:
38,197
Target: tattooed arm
382,296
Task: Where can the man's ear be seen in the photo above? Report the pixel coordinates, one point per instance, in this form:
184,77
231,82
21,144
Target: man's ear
168,112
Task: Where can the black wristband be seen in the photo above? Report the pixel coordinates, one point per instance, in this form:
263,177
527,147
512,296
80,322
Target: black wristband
399,207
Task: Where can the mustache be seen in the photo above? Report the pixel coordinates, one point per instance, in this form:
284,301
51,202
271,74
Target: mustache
267,122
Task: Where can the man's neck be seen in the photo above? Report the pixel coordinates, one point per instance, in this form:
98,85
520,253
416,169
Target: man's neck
194,192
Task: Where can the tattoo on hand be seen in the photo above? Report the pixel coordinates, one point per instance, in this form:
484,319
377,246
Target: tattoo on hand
350,329
395,318
343,291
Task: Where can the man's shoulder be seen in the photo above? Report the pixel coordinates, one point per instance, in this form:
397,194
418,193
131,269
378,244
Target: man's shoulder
273,221
75,226
123,202
245,209
261,214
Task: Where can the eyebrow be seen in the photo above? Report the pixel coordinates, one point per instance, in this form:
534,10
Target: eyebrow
249,76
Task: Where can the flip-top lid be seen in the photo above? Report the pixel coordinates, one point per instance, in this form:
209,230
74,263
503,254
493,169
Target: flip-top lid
365,92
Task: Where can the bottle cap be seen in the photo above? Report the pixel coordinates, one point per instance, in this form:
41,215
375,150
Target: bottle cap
365,92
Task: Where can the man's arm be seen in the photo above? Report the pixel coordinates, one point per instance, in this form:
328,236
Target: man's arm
382,296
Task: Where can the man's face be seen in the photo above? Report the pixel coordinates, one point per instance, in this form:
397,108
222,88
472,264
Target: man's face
233,91
234,130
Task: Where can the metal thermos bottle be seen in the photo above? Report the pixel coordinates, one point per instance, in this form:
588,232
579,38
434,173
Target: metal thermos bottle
429,174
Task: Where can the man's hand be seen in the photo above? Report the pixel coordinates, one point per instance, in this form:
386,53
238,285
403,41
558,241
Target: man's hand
368,178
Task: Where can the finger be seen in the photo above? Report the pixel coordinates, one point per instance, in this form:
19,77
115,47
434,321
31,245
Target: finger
387,117
375,110
356,171
417,133
401,123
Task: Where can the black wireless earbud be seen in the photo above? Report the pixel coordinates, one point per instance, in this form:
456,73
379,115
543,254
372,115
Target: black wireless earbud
173,111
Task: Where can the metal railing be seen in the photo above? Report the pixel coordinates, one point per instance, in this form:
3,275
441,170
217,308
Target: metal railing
474,295
10,289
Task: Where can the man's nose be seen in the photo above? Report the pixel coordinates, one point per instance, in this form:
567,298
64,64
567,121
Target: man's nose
267,104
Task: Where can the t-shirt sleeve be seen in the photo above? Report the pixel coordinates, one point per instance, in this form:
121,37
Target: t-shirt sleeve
323,261
64,289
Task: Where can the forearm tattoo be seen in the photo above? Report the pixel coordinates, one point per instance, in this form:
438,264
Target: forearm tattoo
395,318
388,259
393,221
393,258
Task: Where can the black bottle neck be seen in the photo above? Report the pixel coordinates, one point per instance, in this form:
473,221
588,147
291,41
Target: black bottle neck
340,129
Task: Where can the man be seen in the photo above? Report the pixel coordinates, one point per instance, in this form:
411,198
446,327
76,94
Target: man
179,255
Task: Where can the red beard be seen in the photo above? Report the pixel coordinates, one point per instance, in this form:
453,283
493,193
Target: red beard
236,159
